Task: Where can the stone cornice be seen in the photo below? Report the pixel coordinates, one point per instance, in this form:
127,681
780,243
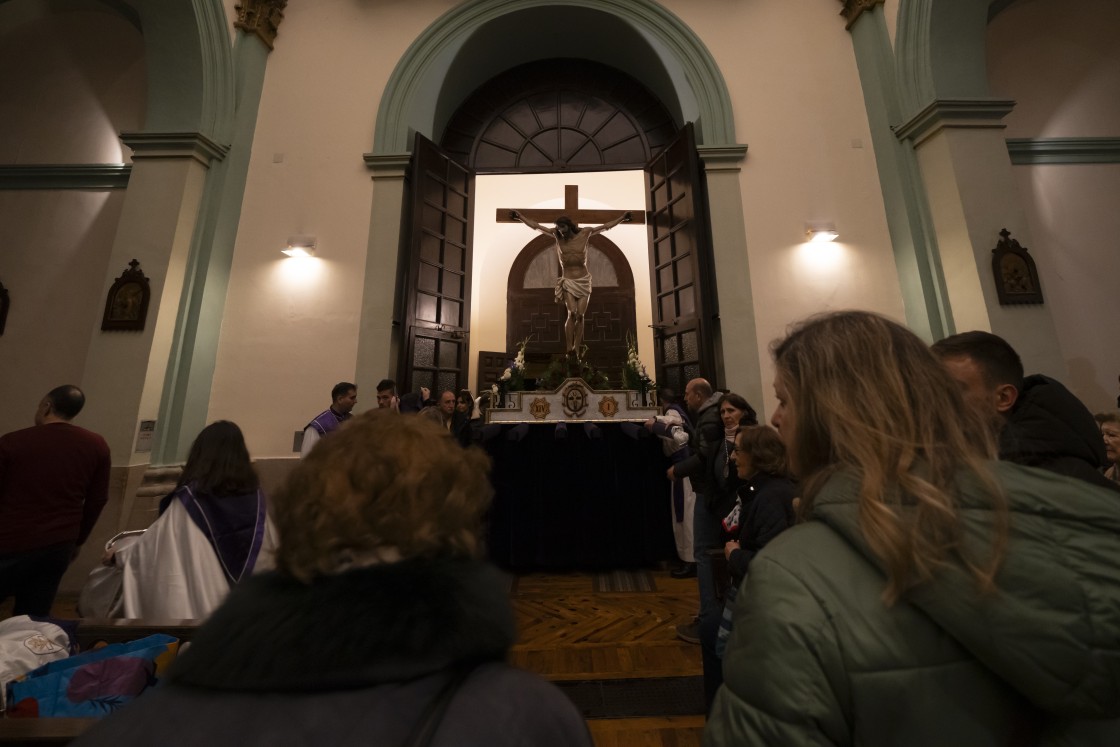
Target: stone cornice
954,113
853,9
174,145
389,166
1025,151
722,157
260,17
65,176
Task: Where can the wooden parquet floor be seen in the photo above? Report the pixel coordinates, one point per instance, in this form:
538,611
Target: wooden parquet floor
571,633
577,637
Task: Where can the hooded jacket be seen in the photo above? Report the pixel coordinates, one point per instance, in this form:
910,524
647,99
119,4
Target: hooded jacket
352,659
817,658
1050,428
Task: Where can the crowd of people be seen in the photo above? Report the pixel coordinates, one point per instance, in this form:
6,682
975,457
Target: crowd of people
460,414
919,548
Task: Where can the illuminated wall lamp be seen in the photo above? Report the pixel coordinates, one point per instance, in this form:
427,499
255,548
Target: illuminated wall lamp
819,232
300,246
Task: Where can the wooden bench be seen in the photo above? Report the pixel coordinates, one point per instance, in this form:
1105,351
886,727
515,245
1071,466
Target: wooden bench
39,732
94,630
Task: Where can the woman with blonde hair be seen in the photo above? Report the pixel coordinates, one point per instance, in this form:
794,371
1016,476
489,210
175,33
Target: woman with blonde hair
381,626
930,596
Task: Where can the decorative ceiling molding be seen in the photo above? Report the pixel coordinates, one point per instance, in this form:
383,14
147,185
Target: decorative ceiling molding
174,145
1064,150
722,158
389,165
853,9
65,176
260,17
956,113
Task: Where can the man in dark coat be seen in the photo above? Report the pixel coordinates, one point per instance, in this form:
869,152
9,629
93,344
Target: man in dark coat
1040,423
707,433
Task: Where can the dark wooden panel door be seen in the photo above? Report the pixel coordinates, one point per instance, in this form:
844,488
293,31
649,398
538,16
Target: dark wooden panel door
491,364
437,297
680,265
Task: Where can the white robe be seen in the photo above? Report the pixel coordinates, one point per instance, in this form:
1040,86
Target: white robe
172,572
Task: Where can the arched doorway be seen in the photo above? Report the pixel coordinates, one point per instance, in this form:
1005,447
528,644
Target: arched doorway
473,44
552,116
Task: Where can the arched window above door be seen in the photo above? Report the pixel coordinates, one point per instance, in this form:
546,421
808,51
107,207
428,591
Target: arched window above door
559,115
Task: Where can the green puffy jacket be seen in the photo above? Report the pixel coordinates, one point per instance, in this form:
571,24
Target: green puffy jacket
816,658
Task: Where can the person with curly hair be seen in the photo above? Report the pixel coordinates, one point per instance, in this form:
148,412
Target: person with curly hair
382,624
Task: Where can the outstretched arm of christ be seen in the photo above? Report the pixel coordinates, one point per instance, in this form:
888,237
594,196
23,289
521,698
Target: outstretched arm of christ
529,222
624,218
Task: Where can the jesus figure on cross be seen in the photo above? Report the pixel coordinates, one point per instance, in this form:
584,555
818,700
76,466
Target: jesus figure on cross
573,287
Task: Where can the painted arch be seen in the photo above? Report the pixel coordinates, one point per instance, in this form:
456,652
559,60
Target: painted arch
664,54
941,50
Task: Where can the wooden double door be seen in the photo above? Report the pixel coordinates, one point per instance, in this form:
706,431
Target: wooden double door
435,297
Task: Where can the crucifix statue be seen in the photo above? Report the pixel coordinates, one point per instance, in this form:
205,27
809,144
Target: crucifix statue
573,287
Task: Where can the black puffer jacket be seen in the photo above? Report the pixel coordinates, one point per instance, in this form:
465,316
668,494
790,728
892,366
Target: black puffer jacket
352,659
1051,429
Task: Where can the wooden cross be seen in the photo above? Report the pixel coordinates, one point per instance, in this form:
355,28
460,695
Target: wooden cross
570,209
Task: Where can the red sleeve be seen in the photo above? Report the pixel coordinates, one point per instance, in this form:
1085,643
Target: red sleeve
97,495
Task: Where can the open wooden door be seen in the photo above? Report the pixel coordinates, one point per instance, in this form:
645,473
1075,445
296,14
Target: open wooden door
437,294
680,261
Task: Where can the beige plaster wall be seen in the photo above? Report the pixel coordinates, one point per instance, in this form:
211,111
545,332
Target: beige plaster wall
1061,65
290,329
54,283
71,79
798,106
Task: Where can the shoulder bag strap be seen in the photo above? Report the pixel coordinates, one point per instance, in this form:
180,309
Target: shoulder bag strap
428,724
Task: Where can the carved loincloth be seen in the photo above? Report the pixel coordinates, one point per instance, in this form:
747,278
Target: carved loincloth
577,287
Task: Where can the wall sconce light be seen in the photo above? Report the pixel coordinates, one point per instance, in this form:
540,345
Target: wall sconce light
300,246
821,232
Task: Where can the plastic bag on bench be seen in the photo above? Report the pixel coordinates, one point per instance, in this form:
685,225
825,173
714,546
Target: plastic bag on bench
102,594
94,683
28,643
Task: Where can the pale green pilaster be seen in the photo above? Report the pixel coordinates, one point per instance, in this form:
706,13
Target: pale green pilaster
186,393
914,242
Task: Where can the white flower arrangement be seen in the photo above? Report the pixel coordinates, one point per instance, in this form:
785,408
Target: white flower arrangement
513,378
634,376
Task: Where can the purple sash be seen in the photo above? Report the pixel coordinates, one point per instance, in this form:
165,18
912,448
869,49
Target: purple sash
233,524
326,421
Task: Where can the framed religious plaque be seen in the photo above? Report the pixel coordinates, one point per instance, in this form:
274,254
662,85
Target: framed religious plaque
1015,273
126,306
